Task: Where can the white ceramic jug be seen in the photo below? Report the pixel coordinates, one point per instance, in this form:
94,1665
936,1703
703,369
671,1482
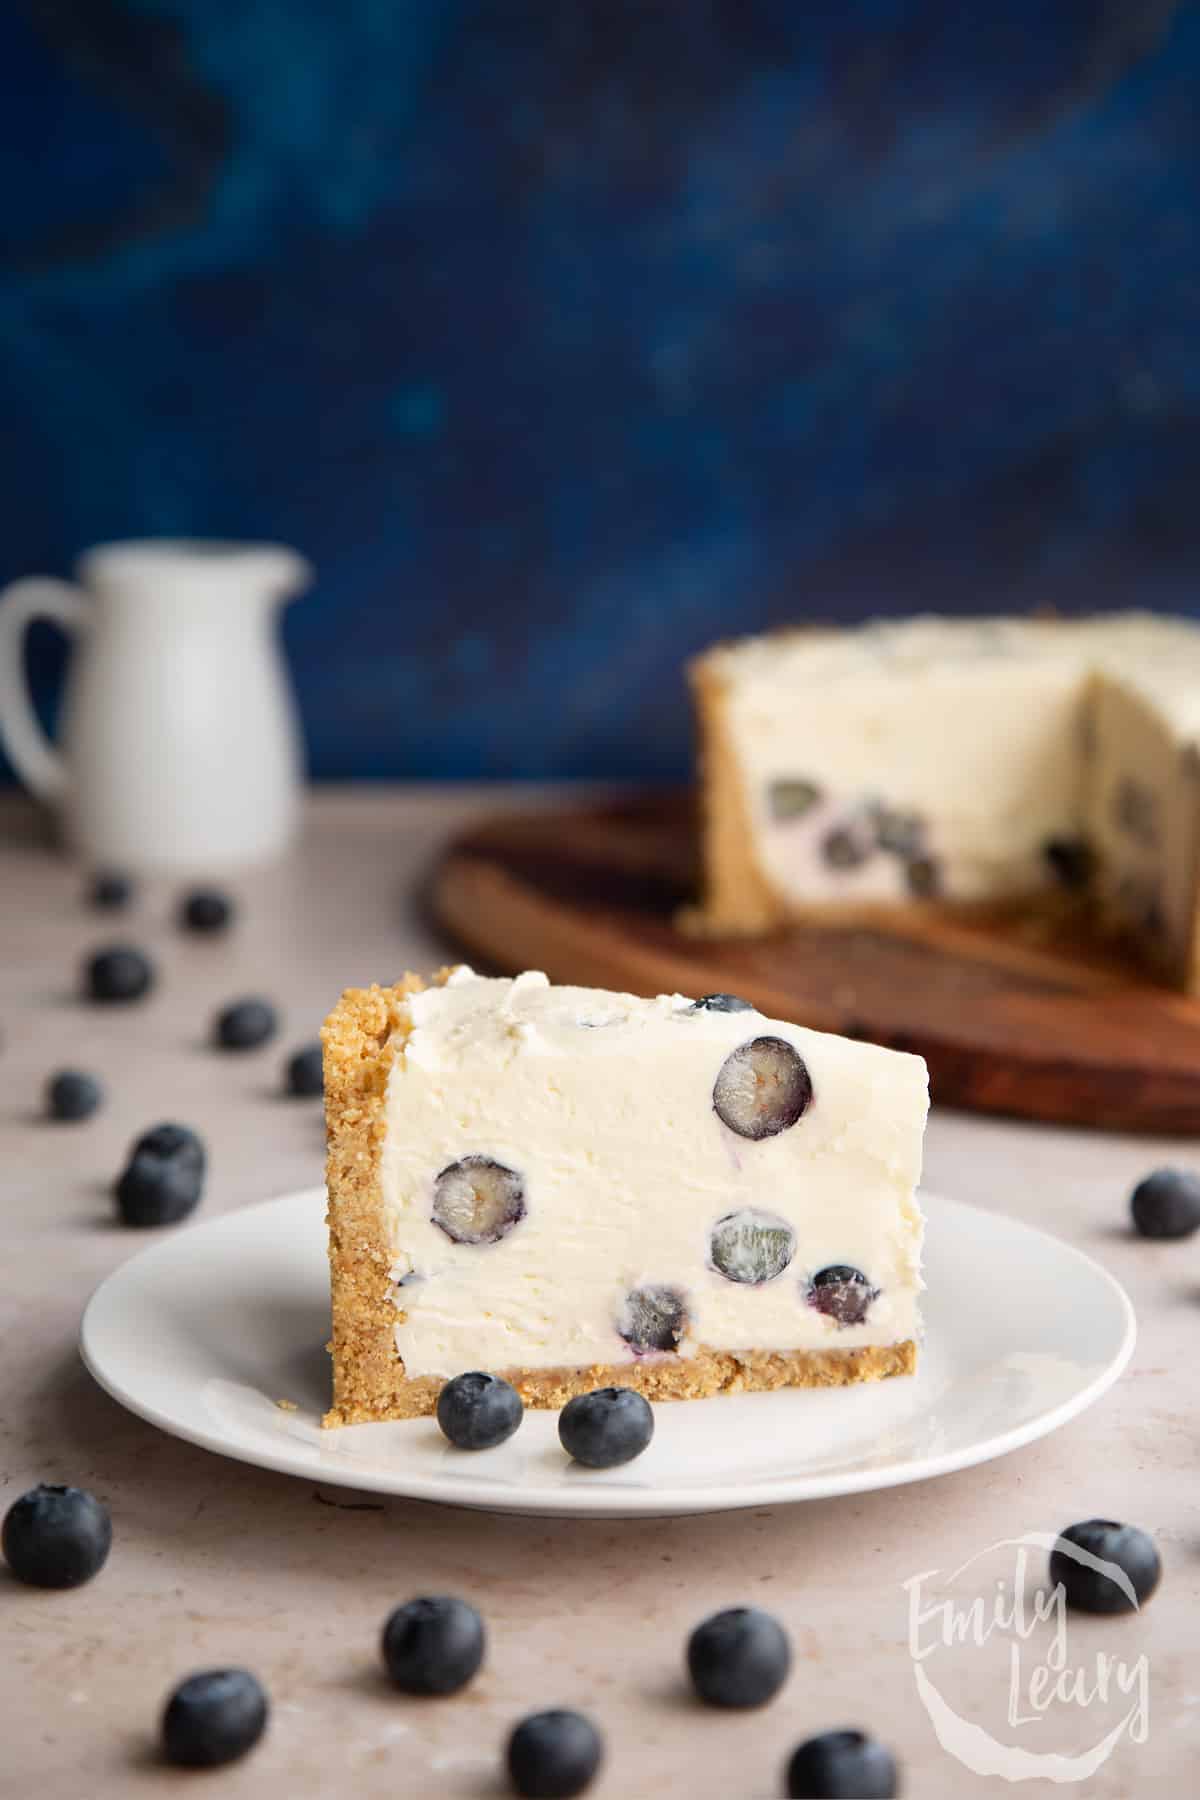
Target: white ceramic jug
180,750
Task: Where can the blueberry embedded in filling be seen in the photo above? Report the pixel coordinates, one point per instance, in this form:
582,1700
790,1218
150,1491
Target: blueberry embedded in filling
751,1246
1071,861
899,833
791,799
653,1318
720,1003
849,846
762,1088
1135,811
477,1200
842,1293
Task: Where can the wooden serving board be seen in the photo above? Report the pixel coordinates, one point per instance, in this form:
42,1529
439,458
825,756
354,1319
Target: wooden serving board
1013,1016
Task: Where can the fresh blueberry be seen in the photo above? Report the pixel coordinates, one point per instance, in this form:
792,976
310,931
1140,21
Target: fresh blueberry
478,1411
842,1765
72,1095
433,1645
653,1318
791,799
609,1426
848,846
476,1200
841,1293
118,974
899,833
1071,861
109,891
720,1003
56,1537
305,1073
739,1658
751,1246
1089,1588
924,877
206,909
245,1025
1166,1204
213,1718
762,1088
552,1755
164,1177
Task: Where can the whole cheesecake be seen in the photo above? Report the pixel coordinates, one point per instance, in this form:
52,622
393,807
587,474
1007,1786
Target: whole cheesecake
574,1189
939,762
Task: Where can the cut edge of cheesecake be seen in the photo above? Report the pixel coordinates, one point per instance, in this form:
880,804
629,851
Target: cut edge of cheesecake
362,1037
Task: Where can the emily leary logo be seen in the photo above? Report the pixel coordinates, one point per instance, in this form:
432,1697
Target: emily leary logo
1021,1631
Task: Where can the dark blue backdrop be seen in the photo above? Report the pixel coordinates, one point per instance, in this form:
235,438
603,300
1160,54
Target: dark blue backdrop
567,334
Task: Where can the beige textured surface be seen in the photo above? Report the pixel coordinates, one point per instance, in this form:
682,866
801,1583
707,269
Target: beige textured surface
362,1037
215,1562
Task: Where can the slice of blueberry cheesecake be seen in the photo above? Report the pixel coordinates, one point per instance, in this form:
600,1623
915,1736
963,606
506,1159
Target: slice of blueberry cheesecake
575,1188
954,762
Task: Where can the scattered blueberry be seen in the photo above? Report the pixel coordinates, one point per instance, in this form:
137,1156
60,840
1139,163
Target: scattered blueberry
433,1645
1093,1590
1166,1204
841,1293
552,1755
791,799
206,909
848,846
899,833
118,974
720,1003
72,1095
751,1246
842,1765
245,1025
653,1318
477,1200
609,1426
762,1088
164,1177
306,1073
739,1658
924,877
109,891
56,1537
478,1411
213,1718
1070,860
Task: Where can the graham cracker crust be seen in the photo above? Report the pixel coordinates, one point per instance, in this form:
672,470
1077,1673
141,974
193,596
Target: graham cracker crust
362,1038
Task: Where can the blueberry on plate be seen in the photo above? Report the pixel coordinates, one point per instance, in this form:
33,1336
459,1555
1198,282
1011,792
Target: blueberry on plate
478,1411
1089,1558
740,1657
751,1246
109,891
118,974
653,1318
841,1293
842,1765
609,1426
56,1537
164,1177
72,1095
245,1024
206,909
305,1073
1166,1204
552,1755
720,1003
762,1088
477,1200
433,1645
213,1717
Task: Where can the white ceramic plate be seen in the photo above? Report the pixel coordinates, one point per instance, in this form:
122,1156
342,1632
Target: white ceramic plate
206,1330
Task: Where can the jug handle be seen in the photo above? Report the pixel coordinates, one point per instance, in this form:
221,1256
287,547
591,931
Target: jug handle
37,762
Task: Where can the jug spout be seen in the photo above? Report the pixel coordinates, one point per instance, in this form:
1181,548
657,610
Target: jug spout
195,569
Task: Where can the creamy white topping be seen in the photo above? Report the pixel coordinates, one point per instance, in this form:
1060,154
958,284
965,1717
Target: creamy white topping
600,1106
